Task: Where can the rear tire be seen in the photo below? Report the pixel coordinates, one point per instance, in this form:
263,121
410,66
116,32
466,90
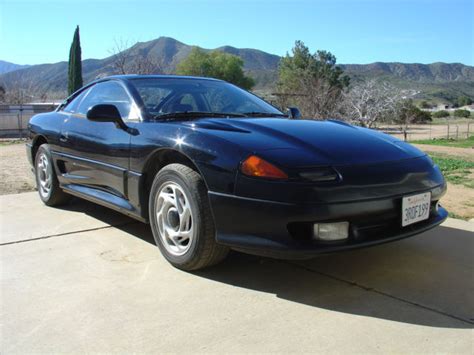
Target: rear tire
46,180
181,219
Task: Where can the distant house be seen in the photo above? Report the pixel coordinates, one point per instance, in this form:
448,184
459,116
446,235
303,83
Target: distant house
443,107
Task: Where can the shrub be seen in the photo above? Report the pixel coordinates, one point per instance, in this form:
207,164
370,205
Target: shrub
421,116
425,105
463,101
440,114
462,113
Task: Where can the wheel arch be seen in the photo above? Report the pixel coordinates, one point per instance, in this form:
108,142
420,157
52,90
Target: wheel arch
37,142
157,161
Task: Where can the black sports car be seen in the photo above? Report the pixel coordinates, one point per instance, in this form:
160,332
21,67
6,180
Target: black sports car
212,167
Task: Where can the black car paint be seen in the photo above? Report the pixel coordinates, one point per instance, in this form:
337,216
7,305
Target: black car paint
110,166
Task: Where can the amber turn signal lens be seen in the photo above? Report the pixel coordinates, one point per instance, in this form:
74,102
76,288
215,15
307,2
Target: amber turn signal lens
255,166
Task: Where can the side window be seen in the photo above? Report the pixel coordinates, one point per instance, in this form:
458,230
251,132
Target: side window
109,92
189,101
72,106
182,103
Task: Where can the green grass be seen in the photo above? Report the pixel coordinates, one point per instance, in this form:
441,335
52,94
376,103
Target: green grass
456,170
454,215
459,143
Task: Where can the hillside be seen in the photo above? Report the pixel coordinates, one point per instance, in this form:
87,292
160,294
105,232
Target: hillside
437,81
6,67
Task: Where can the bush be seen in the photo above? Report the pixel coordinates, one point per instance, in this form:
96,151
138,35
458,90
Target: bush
440,114
425,105
421,116
408,113
462,113
463,101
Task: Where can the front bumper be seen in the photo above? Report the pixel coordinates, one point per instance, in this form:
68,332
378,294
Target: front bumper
284,230
29,153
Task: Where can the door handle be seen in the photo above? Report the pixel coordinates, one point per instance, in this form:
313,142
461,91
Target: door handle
63,137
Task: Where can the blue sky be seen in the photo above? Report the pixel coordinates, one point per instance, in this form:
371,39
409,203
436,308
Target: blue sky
356,31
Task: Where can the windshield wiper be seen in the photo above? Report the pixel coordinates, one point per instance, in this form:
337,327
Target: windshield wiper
195,114
263,114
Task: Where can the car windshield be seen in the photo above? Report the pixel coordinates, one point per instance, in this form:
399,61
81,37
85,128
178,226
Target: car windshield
167,96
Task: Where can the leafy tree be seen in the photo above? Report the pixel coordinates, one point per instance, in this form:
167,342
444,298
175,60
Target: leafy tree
311,81
463,101
75,64
440,114
408,113
425,104
462,113
217,65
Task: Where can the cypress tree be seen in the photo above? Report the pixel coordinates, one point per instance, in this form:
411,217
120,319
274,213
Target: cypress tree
75,64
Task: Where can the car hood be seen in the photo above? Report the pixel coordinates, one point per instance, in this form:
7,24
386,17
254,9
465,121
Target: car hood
308,142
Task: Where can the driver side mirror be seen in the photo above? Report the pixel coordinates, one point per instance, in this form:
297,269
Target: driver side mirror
106,113
294,113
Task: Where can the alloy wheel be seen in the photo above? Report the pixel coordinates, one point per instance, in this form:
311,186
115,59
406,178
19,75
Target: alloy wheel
174,218
44,175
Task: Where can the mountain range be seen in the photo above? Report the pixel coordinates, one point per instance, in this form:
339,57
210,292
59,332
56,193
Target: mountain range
437,81
6,67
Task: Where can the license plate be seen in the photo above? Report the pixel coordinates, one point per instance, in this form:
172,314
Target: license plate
415,208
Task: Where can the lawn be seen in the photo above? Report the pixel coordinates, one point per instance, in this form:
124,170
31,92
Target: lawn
458,143
456,170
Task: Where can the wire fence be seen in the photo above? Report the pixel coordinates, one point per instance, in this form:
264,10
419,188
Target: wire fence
431,131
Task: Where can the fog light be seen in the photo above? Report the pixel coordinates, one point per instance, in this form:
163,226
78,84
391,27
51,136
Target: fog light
437,206
329,232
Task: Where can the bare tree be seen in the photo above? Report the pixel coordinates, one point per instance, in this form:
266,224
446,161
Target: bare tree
120,56
19,92
371,101
2,94
319,98
129,61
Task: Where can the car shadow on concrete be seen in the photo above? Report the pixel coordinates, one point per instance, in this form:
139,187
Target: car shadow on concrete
424,280
106,215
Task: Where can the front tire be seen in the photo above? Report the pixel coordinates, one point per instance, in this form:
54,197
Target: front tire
181,219
46,180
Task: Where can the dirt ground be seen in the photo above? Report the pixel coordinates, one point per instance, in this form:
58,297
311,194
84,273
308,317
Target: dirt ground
15,171
16,177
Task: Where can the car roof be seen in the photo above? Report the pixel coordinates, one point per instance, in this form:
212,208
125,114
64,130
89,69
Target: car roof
142,76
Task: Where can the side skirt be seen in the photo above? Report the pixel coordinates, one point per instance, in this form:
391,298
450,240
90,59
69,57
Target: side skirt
105,199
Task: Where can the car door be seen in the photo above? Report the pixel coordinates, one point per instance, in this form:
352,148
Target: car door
96,154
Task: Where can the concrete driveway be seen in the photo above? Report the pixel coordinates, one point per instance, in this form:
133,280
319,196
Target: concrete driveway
86,279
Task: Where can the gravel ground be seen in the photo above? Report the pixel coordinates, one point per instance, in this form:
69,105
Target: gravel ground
16,177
